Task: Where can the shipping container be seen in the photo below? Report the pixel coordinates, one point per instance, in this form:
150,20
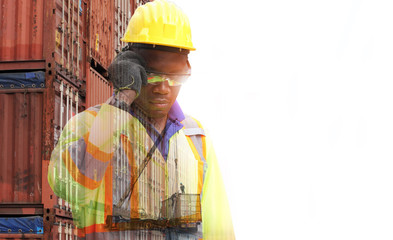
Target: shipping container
25,154
101,32
69,31
122,16
70,34
53,60
37,33
105,34
21,112
22,25
98,89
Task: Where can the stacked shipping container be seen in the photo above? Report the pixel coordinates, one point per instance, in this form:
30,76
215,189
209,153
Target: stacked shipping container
71,43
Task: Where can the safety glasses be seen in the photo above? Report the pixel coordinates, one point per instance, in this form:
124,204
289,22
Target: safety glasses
174,79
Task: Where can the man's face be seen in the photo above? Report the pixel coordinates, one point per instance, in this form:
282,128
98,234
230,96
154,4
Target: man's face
157,100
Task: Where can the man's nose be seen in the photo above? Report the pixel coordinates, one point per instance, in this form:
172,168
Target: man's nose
162,88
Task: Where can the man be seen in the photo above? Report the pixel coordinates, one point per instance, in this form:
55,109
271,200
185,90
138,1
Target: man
119,164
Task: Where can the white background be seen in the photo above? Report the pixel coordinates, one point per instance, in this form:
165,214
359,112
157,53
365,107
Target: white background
297,96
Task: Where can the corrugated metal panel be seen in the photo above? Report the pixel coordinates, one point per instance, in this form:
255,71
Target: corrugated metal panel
22,31
122,17
101,24
66,103
70,32
98,89
65,106
20,147
80,29
21,27
124,9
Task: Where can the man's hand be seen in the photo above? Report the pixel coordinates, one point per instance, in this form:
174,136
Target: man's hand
127,71
125,98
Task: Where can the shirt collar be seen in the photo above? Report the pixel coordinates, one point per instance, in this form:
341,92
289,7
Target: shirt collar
175,113
173,125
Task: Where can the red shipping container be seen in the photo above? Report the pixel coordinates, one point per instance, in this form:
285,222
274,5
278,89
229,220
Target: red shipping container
98,89
21,27
36,33
107,24
20,146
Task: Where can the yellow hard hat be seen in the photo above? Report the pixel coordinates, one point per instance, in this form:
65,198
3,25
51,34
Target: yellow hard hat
159,23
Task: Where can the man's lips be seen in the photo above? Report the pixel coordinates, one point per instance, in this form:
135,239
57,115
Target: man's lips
159,102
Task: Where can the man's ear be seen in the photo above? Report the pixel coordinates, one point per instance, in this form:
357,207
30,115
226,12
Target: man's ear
189,66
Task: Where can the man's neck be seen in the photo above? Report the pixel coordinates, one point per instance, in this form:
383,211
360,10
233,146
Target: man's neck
158,123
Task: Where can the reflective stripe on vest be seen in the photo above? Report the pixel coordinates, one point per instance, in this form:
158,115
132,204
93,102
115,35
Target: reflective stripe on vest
196,139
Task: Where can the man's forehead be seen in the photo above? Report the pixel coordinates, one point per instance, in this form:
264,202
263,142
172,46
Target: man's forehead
156,58
159,55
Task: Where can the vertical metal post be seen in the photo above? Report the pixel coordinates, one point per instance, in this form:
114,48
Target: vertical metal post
137,156
77,41
67,159
76,206
62,36
120,18
72,37
117,172
121,159
127,3
123,15
145,143
69,39
116,122
118,24
72,149
60,202
123,156
66,231
70,231
128,172
128,15
59,230
141,179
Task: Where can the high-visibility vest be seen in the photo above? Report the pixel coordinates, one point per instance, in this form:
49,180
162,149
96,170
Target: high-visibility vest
98,157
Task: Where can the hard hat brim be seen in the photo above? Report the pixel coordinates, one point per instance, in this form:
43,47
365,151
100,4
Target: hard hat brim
161,44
